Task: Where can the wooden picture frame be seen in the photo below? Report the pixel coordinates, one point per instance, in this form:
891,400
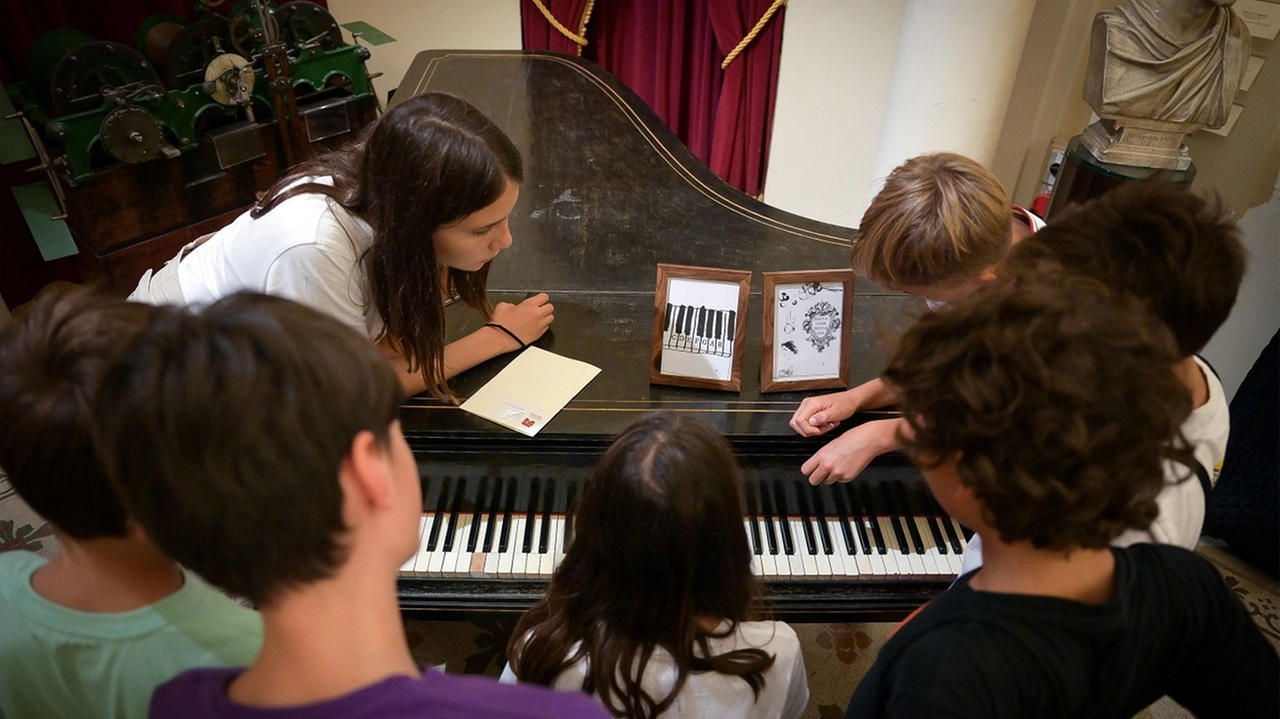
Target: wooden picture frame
807,315
699,324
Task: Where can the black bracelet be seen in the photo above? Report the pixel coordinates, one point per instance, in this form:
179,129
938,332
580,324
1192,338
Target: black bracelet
510,334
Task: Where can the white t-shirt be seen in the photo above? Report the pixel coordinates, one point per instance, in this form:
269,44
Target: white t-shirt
711,694
307,248
1181,501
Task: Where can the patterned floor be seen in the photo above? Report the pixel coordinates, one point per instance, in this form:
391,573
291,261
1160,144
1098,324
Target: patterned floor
836,655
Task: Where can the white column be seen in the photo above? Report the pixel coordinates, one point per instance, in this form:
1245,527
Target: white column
952,79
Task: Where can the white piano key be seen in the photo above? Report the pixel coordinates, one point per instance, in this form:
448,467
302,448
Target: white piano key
808,562
932,558
406,569
842,562
894,562
511,562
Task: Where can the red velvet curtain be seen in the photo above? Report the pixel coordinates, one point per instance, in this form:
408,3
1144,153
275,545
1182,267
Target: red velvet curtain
669,53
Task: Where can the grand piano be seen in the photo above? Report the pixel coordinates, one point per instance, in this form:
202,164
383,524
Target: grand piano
609,192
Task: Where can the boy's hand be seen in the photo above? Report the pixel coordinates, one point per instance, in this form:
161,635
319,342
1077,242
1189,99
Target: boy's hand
844,457
817,415
529,320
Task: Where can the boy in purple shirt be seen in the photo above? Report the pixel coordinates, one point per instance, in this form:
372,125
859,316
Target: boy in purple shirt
258,443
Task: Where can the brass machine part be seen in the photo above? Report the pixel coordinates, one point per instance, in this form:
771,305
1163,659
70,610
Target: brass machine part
133,135
229,80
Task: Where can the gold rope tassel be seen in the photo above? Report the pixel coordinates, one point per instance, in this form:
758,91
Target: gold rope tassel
764,20
580,38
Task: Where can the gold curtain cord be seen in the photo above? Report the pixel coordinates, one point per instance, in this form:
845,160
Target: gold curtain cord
579,39
764,20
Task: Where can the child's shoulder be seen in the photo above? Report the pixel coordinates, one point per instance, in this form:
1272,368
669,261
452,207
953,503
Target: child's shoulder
472,695
17,566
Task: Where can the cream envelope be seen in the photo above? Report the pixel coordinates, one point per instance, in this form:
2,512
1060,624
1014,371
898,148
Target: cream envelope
530,390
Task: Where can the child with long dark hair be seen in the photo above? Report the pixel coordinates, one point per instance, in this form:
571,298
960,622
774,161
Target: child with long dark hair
381,235
651,608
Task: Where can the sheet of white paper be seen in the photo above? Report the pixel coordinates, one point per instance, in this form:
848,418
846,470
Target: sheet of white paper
1231,121
1251,72
1263,18
530,390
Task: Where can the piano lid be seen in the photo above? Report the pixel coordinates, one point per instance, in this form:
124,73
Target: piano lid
610,192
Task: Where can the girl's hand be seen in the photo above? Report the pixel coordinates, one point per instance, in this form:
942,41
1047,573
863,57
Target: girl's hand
529,320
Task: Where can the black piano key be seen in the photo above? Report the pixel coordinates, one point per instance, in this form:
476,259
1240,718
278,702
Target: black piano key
548,498
891,514
702,326
923,502
869,518
908,513
666,319
508,509
531,514
856,516
956,545
719,314
842,515
784,527
455,509
436,522
753,517
766,504
731,326
806,517
688,329
473,536
571,508
819,516
490,526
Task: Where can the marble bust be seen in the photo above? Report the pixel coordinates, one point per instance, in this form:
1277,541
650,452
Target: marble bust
1159,70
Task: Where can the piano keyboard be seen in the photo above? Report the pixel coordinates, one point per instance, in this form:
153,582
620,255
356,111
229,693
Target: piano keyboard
699,330
478,525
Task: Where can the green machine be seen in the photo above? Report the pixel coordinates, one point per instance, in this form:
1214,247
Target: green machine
94,104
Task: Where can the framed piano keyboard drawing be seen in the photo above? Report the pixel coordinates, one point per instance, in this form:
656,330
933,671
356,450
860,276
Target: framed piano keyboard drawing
808,330
699,319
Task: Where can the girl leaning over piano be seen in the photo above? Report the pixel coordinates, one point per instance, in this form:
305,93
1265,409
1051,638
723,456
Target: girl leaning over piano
651,609
381,234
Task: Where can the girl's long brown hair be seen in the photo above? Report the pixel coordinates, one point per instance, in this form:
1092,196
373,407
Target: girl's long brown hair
658,546
428,162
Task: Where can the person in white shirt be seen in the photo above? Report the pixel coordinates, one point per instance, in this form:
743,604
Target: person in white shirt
651,609
1180,254
381,235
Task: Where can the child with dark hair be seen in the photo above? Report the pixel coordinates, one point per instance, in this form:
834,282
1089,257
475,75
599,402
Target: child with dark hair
1039,415
93,631
651,608
382,234
1180,255
258,443
938,229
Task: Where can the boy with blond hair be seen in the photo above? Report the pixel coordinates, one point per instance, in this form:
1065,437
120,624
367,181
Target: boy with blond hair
938,229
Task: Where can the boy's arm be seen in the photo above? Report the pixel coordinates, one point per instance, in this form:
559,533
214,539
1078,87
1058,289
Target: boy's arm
844,457
817,415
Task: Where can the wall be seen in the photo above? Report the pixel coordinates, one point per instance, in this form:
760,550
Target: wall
833,84
430,25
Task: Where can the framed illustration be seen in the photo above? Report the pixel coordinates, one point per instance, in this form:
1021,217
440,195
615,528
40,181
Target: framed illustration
808,330
699,319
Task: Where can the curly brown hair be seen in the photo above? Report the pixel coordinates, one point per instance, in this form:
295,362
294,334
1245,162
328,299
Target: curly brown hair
1058,400
1177,251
